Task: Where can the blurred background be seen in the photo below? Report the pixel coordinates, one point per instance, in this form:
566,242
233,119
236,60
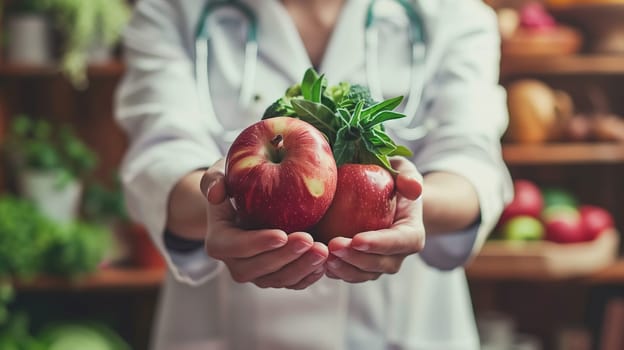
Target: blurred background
75,270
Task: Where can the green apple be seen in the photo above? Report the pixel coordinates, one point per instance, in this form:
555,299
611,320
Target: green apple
523,228
559,210
556,197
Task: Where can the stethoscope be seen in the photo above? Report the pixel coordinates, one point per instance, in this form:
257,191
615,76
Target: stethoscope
417,40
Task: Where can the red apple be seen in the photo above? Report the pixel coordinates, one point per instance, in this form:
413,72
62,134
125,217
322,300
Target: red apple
596,220
365,200
563,225
280,173
527,201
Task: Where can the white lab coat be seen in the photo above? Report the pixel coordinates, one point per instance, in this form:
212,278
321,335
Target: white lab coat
424,306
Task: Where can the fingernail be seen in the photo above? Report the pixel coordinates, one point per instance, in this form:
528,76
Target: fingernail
277,243
318,259
361,247
300,247
210,185
341,253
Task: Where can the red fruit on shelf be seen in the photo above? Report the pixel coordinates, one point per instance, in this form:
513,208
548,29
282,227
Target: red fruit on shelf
527,201
596,220
564,225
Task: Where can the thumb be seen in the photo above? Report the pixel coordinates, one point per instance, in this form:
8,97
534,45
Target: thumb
409,181
212,184
409,187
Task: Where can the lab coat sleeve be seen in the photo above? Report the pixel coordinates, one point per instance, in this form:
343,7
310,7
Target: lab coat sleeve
471,110
157,106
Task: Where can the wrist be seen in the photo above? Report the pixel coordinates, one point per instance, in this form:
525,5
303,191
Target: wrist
450,203
186,209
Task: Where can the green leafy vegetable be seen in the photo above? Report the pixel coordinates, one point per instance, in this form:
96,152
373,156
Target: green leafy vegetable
282,107
84,336
32,244
35,144
15,335
349,117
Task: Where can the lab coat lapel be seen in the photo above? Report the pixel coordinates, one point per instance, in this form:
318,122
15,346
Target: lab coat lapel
280,42
278,39
345,53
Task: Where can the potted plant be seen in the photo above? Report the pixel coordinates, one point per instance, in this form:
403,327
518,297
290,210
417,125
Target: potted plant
28,33
90,29
50,164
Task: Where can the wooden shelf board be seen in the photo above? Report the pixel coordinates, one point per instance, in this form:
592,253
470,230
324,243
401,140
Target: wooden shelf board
559,65
105,279
128,279
112,69
613,274
586,262
563,153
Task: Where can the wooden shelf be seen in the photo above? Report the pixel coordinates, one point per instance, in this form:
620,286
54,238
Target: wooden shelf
548,261
112,69
131,279
105,279
563,153
560,65
613,274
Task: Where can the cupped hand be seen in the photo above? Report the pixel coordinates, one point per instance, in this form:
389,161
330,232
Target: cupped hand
266,258
370,254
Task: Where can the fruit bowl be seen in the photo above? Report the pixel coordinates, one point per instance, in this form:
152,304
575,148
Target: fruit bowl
544,260
602,22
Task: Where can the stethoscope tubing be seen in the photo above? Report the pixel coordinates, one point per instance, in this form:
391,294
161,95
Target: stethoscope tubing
418,55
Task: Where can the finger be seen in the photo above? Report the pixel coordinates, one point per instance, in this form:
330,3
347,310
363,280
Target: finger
409,181
331,275
408,187
297,270
309,280
230,242
249,269
216,192
389,264
212,183
402,238
348,272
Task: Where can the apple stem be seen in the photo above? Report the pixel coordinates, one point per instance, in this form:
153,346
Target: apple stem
277,153
277,140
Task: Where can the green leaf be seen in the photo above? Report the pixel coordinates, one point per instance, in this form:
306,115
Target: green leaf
378,142
382,117
318,115
344,116
328,102
337,92
386,105
382,150
345,148
379,159
384,139
357,114
309,78
317,89
402,151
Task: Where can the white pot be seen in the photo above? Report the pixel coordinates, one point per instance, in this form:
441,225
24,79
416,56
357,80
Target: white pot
59,202
29,39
